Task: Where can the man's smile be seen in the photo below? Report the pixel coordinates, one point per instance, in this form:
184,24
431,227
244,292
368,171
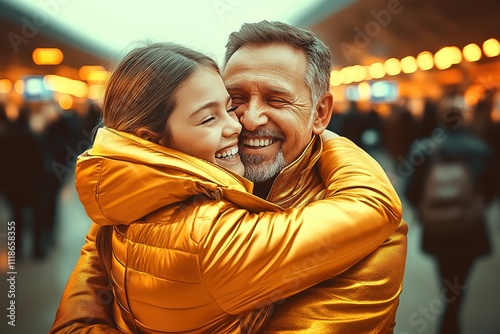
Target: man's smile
258,142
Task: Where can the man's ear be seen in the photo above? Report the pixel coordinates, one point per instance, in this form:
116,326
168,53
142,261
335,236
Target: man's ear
324,109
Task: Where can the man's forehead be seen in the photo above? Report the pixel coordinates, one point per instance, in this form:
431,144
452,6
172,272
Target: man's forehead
274,54
270,62
271,79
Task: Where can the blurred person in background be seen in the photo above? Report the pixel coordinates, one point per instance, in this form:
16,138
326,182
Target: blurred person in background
429,121
4,121
398,130
276,74
23,172
91,119
61,139
4,124
362,126
487,127
452,183
354,123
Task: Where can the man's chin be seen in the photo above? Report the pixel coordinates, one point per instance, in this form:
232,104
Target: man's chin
257,169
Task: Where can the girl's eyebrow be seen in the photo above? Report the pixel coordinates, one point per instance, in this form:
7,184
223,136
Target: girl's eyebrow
209,105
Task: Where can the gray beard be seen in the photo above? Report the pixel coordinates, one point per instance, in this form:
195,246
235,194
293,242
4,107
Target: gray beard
257,171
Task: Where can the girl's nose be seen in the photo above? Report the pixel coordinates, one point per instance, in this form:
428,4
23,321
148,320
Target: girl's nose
233,126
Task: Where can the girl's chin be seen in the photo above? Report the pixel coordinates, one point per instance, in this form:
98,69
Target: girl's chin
234,164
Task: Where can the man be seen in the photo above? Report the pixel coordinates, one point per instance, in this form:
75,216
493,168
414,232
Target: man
278,76
266,64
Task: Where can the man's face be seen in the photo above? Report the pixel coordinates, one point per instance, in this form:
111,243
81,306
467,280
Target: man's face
274,106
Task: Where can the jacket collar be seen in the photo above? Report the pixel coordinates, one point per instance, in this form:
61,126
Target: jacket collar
298,182
123,177
123,146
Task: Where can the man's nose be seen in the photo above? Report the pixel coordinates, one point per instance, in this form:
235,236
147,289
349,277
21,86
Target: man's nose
253,116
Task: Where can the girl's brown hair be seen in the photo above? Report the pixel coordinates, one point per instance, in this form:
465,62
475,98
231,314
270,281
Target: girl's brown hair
141,94
141,91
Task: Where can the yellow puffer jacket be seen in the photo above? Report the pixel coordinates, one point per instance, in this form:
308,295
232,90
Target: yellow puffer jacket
194,253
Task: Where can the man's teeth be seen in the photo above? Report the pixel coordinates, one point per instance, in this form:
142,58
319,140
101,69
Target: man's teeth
227,154
258,142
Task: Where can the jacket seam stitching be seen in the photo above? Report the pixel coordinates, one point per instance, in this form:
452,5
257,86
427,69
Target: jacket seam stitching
153,246
203,281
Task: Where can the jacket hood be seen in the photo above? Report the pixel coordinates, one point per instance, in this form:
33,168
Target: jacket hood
123,177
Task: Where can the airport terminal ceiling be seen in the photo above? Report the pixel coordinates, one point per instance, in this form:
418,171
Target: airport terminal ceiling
369,30
372,32
22,33
357,32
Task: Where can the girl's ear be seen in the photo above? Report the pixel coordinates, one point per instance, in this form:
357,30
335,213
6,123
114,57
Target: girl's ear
147,134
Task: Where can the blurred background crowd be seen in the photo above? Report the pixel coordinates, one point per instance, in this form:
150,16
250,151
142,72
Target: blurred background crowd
402,71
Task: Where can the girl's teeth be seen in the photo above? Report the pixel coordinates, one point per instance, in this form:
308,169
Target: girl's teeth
229,153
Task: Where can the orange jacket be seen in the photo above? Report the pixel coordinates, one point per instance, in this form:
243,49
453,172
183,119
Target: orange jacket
193,251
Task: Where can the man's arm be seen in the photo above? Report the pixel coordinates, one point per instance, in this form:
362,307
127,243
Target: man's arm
363,299
86,304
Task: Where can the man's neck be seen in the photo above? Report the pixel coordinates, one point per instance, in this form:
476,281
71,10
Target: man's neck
262,189
283,193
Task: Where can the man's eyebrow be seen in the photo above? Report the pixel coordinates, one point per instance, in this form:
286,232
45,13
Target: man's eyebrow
279,89
234,86
273,89
208,105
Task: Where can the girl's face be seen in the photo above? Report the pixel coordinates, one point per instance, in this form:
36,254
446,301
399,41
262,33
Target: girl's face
204,124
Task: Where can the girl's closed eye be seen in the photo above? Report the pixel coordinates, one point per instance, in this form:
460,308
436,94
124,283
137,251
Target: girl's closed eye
208,120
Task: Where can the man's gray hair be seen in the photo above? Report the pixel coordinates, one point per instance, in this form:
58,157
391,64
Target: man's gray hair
319,61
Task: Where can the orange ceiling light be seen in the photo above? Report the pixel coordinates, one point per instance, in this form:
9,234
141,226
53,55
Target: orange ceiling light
377,70
364,91
47,56
86,71
19,86
346,75
5,86
491,47
456,54
409,64
472,52
99,77
96,92
65,101
358,73
65,85
392,66
425,61
444,58
335,78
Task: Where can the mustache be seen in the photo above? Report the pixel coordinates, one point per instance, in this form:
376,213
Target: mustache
263,132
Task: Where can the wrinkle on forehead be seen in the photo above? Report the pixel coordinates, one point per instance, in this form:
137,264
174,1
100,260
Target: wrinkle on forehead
280,58
270,78
262,80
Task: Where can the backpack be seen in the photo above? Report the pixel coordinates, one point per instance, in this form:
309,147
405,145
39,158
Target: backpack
450,204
